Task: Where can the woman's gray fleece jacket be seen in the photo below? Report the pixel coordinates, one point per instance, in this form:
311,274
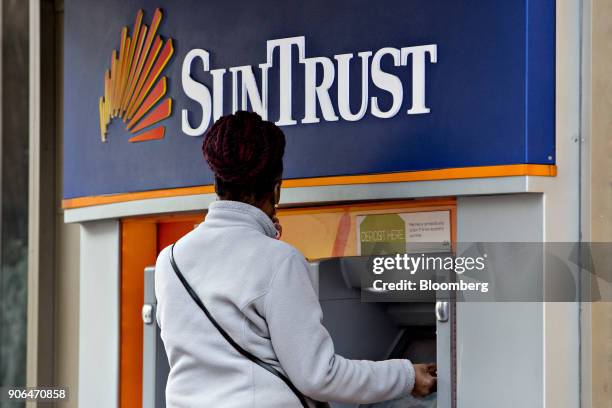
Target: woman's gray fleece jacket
259,290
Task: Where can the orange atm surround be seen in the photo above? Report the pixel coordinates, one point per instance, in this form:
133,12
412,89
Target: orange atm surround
143,238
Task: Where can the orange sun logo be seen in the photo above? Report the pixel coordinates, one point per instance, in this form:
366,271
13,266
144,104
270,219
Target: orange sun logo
131,86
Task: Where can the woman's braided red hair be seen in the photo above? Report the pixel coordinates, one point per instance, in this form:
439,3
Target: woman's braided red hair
245,153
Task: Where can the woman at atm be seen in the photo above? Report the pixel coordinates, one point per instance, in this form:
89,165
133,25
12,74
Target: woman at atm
239,317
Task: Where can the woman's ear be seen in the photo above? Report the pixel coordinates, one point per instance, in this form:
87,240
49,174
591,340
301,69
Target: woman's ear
277,192
217,188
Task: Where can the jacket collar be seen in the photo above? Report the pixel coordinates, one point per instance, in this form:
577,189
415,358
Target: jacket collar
226,210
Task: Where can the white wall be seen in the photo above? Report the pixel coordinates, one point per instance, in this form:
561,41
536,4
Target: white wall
99,314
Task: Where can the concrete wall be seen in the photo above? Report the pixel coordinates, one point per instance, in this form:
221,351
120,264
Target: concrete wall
598,197
67,256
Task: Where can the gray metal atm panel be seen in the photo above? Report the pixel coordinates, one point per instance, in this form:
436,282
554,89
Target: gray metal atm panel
155,366
500,344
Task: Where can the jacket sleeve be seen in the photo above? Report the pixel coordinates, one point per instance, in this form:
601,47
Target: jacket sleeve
306,352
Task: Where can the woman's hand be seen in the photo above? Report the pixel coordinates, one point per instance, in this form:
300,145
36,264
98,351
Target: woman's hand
425,376
278,226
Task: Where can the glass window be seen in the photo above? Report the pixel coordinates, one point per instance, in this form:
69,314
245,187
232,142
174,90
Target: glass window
14,194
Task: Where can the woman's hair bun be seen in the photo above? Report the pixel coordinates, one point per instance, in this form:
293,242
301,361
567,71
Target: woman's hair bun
243,149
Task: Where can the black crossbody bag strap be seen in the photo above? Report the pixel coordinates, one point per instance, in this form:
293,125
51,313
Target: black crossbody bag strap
229,338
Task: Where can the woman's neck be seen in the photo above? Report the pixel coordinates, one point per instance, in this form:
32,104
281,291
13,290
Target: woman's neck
265,205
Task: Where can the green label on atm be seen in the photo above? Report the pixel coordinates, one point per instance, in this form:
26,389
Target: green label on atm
381,234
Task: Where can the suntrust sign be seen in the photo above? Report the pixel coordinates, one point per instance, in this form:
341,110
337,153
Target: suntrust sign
332,73
400,89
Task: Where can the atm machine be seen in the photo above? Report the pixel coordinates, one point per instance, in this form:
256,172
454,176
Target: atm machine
418,329
422,331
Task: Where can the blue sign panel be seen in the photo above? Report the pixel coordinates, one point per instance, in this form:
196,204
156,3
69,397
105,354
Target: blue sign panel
426,84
